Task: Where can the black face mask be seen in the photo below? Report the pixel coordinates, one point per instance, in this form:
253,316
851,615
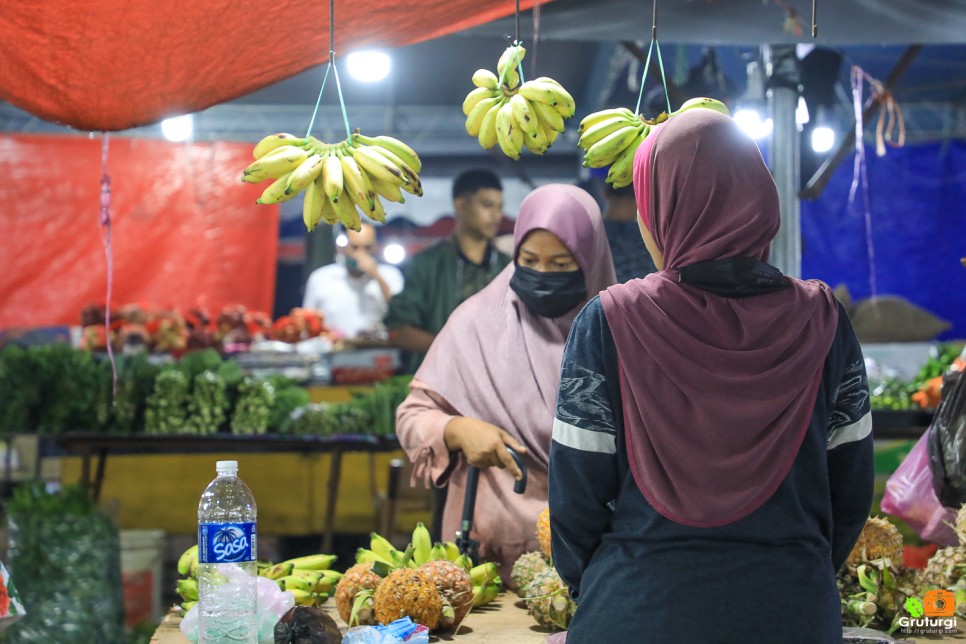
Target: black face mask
549,295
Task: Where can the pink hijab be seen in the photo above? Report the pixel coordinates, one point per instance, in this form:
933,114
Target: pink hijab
717,391
495,360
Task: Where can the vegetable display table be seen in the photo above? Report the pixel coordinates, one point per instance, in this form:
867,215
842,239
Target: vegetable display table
502,622
99,446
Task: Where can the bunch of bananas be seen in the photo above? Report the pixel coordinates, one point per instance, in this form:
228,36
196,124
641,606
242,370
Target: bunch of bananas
308,578
337,178
611,137
502,111
485,577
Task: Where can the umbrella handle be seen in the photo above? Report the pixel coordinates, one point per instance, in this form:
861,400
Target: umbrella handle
520,486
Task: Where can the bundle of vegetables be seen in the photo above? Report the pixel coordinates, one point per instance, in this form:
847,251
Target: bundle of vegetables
369,413
65,557
167,406
253,408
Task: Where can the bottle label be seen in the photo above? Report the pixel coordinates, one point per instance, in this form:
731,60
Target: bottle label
226,542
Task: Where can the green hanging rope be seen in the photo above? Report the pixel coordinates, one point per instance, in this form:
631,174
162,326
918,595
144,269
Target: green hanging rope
647,63
338,85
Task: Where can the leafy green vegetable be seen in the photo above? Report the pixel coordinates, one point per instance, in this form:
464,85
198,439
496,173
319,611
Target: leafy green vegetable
207,404
251,415
167,406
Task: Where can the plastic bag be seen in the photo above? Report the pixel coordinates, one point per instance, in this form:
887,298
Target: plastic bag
273,602
910,496
947,446
65,557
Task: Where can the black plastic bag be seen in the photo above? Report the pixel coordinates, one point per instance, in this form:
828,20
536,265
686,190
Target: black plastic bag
65,556
947,442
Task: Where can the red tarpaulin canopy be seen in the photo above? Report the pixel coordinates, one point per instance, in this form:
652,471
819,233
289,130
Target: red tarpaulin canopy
116,64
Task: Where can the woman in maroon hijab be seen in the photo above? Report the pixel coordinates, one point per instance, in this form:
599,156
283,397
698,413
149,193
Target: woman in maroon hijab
711,465
490,378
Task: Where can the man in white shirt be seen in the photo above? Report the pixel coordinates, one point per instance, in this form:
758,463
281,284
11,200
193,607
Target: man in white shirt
354,292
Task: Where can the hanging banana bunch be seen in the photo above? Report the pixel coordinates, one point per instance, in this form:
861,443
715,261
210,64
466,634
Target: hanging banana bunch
503,111
341,181
611,137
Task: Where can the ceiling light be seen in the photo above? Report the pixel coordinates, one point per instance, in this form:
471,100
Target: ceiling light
823,139
342,241
752,124
368,66
394,253
801,113
178,128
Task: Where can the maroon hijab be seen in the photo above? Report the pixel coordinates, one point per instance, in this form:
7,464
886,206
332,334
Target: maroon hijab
496,360
717,391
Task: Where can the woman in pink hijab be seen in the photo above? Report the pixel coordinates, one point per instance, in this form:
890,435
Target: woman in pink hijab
489,380
711,465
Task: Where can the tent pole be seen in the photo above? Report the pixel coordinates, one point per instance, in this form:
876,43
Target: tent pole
781,66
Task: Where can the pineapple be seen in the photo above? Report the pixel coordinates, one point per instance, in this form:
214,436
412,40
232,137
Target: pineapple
945,567
356,579
879,540
408,592
455,589
543,532
525,569
548,600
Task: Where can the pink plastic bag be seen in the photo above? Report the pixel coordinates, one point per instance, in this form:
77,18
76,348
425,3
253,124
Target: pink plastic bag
910,496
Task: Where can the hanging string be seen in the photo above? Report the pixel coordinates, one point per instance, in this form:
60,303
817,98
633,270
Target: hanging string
517,21
536,38
104,220
814,19
860,174
647,63
331,66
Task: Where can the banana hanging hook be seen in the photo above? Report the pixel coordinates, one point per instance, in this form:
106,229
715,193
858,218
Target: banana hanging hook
654,20
814,19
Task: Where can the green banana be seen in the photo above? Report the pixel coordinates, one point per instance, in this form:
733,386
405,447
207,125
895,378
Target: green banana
464,561
279,570
598,131
422,544
188,557
186,606
365,555
438,553
485,594
312,562
188,589
381,546
484,573
452,550
291,582
328,582
312,576
621,172
306,597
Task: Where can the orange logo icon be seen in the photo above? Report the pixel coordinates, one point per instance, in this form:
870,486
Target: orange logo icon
939,603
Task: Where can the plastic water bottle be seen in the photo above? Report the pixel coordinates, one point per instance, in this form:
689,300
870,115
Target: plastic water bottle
227,550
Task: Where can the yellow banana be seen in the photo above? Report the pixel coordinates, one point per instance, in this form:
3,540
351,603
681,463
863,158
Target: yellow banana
379,212
328,213
606,150
438,553
464,561
304,597
377,166
621,172
381,546
475,118
484,573
599,130
508,132
397,147
188,589
312,576
547,115
550,133
524,117
294,583
475,96
305,174
486,79
275,141
365,555
333,182
387,190
328,583
346,211
312,562
487,135
422,544
506,68
274,165
357,184
549,94
414,185
312,205
538,143
275,193
603,115
184,561
483,595
279,570
703,102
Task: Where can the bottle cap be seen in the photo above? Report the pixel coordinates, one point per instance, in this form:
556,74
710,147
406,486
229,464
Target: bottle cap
226,467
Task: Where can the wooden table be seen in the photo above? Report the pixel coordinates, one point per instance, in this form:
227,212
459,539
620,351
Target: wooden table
502,622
